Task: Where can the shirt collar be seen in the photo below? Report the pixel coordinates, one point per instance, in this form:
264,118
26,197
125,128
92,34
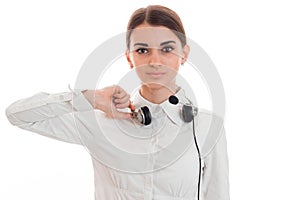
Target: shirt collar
172,111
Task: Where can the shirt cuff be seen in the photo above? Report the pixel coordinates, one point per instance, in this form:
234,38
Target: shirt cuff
79,102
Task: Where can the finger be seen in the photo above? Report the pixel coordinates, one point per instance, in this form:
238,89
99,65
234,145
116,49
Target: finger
119,115
131,106
117,89
113,112
123,105
125,99
120,95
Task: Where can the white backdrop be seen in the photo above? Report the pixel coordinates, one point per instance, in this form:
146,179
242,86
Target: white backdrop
254,45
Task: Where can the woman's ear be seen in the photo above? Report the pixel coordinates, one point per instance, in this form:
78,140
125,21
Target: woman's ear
186,51
129,59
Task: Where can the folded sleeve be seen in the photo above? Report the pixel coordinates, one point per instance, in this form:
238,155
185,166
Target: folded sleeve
215,176
51,115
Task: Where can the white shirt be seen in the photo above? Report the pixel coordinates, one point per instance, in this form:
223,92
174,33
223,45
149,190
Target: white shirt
131,161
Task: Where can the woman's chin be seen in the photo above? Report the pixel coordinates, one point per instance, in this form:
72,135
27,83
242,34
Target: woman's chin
155,86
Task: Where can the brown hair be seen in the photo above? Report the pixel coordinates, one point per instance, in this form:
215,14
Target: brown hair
156,15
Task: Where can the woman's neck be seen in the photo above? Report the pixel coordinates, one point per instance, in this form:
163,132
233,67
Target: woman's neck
157,95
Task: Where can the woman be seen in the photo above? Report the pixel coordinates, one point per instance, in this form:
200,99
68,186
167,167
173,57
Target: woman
152,161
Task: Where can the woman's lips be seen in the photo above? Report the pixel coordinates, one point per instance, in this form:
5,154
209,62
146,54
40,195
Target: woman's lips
155,74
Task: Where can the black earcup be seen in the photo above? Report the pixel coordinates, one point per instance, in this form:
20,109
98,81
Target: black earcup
146,115
187,113
143,115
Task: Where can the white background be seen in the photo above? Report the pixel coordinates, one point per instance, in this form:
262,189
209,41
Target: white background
254,45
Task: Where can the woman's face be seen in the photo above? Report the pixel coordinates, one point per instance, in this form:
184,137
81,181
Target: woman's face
156,53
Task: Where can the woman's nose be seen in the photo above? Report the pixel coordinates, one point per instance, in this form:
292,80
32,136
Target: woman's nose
154,57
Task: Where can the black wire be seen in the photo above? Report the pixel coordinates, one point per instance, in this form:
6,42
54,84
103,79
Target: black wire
199,157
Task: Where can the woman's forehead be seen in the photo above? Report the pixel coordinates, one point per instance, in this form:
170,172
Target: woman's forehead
152,35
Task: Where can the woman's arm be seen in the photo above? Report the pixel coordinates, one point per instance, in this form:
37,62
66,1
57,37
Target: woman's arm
64,116
50,115
215,179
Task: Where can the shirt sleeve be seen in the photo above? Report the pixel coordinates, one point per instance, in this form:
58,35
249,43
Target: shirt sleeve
51,115
215,177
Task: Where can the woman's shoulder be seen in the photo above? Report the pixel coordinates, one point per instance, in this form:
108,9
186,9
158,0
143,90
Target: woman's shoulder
208,116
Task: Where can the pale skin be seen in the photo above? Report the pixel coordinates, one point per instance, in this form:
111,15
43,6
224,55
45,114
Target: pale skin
156,53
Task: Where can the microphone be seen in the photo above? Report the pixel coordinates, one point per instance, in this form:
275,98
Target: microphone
188,111
173,100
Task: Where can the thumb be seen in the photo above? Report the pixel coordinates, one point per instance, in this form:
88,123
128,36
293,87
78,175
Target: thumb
119,115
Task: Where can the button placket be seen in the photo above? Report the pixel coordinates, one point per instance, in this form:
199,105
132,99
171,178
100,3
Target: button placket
148,195
152,149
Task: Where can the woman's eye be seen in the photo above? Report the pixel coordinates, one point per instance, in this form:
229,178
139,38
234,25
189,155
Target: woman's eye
142,51
167,49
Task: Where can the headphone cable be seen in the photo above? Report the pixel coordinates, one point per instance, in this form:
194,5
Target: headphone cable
199,157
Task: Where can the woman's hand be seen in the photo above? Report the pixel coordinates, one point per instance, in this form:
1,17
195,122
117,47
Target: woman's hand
109,99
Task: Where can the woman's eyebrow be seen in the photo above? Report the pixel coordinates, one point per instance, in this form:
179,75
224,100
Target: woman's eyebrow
140,44
167,42
161,44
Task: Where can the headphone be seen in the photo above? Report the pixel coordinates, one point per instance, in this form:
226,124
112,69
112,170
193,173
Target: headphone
143,114
188,112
